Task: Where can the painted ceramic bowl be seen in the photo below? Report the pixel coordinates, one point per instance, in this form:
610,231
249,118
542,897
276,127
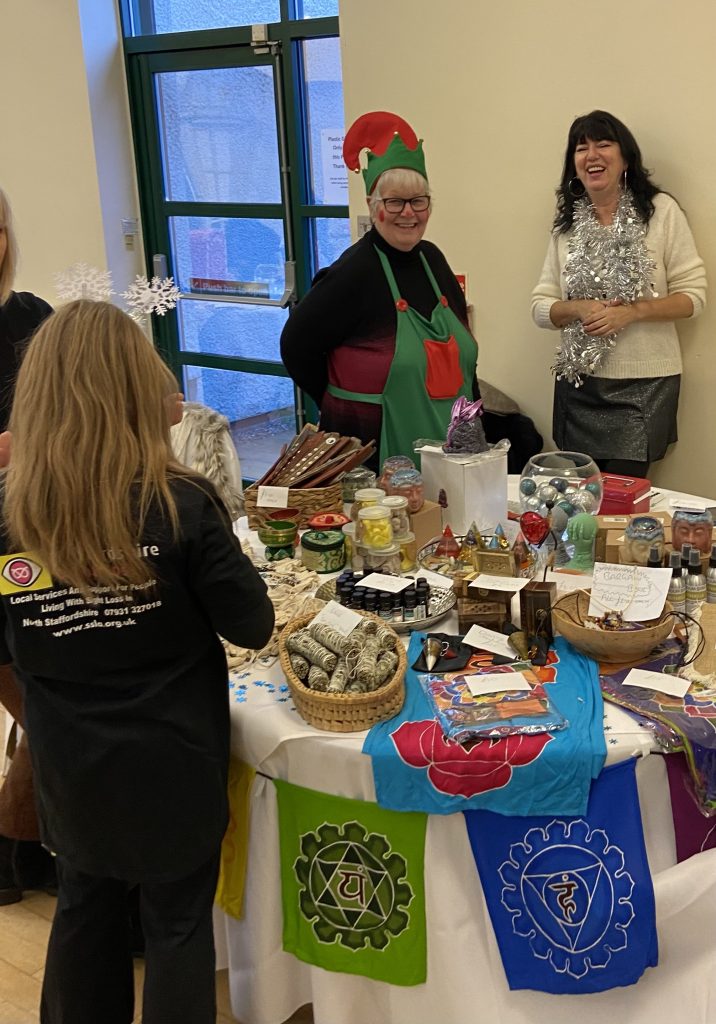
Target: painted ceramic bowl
328,521
291,515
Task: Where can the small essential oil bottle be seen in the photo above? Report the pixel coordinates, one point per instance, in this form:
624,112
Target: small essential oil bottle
397,608
423,589
677,584
654,559
386,606
411,600
685,551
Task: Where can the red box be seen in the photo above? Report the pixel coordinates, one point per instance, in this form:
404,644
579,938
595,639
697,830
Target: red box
624,494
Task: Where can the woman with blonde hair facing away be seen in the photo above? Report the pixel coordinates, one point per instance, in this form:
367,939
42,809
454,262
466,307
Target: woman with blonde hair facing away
23,862
118,568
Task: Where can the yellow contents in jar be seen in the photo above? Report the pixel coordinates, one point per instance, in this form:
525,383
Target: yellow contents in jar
408,553
377,533
374,527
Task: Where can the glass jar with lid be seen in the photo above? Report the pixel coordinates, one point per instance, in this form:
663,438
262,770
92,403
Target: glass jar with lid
355,480
387,561
391,465
408,552
373,528
365,497
409,483
399,518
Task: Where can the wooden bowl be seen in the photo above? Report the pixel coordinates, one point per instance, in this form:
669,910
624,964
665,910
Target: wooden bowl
605,645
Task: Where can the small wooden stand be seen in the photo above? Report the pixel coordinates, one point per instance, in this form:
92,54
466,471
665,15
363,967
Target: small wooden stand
537,597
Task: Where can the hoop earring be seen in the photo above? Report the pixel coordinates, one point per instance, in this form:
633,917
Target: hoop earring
570,189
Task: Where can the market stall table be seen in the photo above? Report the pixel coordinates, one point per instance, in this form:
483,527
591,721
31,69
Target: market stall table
465,977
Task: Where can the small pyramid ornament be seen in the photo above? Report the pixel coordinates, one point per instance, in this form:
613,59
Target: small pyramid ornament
447,547
467,551
494,543
501,539
479,540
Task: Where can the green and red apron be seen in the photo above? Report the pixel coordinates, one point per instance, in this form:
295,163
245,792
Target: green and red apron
433,364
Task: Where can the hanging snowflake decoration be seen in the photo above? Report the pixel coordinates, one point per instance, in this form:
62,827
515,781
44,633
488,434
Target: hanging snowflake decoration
604,263
81,281
145,297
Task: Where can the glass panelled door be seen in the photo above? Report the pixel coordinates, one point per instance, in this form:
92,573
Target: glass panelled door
218,220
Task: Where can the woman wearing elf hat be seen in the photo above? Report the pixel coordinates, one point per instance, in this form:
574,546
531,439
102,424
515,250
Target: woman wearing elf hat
621,267
381,341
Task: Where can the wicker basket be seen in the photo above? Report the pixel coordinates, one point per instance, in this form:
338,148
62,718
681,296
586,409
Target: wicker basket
343,712
608,646
309,500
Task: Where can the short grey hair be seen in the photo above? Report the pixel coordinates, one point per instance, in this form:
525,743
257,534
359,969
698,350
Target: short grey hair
9,264
402,179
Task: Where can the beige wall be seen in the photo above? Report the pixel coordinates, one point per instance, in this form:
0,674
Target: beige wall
493,87
65,154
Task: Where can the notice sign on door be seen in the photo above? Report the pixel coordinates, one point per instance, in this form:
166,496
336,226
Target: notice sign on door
335,173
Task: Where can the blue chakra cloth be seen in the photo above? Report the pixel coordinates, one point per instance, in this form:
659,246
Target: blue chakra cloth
416,768
571,898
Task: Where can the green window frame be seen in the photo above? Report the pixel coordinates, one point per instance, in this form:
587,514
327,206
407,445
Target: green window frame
148,54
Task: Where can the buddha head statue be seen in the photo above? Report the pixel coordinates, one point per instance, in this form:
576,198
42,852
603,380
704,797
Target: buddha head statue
692,527
641,534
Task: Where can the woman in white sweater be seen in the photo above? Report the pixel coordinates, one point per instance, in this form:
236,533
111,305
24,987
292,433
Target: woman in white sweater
621,267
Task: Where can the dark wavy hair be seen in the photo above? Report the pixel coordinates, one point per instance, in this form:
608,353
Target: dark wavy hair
597,126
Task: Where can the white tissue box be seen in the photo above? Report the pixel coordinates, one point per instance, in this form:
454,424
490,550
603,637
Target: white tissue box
476,489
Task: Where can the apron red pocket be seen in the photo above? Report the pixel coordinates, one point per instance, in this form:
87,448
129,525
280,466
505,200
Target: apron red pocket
443,377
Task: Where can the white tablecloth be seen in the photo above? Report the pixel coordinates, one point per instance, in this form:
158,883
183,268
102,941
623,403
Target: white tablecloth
466,982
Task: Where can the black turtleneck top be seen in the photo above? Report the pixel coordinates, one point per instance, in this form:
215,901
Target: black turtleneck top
343,330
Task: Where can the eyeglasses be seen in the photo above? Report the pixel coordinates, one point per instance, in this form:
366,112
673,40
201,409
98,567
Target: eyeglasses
418,204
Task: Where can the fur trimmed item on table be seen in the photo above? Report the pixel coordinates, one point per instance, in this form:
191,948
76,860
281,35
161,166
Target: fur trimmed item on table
203,442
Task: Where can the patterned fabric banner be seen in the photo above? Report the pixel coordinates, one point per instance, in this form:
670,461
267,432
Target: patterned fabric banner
352,885
235,845
687,722
694,832
415,768
571,898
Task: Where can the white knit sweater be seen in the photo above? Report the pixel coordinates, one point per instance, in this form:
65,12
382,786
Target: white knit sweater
643,349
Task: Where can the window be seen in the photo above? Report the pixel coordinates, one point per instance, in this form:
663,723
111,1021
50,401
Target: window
243,191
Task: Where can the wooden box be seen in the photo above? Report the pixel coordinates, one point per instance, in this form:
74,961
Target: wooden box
496,563
480,611
427,523
536,600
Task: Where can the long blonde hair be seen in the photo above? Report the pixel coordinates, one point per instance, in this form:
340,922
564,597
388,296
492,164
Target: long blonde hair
91,450
8,266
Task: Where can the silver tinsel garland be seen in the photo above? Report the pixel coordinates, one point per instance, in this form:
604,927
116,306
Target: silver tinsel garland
604,263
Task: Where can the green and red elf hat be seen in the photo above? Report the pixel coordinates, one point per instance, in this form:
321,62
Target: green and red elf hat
390,142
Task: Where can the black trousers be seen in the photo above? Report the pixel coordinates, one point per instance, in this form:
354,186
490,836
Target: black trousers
88,972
